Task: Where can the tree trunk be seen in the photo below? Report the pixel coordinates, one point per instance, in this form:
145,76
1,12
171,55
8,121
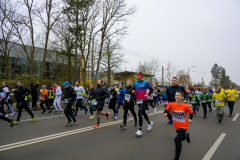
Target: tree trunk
84,75
44,55
7,65
109,70
69,67
76,47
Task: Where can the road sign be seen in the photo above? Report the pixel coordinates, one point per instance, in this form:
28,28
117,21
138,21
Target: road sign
94,74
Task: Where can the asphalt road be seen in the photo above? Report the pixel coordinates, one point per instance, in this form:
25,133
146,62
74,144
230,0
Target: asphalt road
47,138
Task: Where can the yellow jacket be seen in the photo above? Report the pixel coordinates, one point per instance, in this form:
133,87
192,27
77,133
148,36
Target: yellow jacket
223,91
217,97
232,94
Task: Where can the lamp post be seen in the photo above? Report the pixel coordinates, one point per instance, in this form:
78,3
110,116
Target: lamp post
188,73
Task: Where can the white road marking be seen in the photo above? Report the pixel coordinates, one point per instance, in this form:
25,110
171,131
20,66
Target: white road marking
210,153
235,118
42,118
58,135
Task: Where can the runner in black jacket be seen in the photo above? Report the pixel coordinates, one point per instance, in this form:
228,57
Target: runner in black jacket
21,92
129,104
113,101
100,94
69,96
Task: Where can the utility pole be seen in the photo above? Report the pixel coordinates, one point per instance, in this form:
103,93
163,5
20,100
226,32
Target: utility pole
188,78
202,80
162,76
92,60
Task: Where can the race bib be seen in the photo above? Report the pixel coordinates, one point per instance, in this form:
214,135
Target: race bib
192,101
154,95
203,101
127,97
231,95
139,101
209,100
166,102
111,96
66,101
218,101
94,102
185,100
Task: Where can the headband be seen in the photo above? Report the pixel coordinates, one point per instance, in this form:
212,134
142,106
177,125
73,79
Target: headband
139,74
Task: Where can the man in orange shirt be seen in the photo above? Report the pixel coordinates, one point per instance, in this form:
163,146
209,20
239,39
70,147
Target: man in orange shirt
45,99
180,122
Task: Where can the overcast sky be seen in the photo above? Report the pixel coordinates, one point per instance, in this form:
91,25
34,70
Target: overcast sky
187,33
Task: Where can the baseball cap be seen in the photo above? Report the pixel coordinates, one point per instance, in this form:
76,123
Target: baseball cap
66,83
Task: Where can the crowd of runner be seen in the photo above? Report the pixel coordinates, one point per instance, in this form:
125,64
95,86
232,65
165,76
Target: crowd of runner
175,99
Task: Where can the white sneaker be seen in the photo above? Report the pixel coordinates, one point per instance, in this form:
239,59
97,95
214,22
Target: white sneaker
6,115
12,114
155,109
139,133
81,112
146,111
150,126
214,109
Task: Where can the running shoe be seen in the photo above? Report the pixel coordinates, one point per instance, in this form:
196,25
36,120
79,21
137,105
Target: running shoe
210,110
92,117
123,126
60,112
69,123
75,123
150,126
11,123
16,122
43,111
108,115
146,111
6,115
219,121
169,122
86,111
114,117
138,133
129,114
12,114
97,126
230,115
81,112
214,109
33,119
56,112
187,137
155,109
50,111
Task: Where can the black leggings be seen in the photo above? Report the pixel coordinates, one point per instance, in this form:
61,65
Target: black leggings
2,111
5,118
34,101
79,104
178,141
204,105
118,106
155,100
68,112
113,107
129,106
209,105
24,105
231,105
151,103
142,112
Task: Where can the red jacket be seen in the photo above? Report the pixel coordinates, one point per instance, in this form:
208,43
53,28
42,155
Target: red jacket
54,88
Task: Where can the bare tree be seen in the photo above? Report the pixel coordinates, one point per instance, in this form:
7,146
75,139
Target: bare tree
183,77
49,14
170,71
7,15
23,24
151,67
114,22
112,59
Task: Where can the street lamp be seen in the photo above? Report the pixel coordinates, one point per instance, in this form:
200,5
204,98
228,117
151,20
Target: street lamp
188,73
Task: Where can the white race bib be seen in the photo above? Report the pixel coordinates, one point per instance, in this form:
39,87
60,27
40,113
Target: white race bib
218,101
127,97
111,96
139,101
66,101
185,100
94,102
231,95
154,95
166,102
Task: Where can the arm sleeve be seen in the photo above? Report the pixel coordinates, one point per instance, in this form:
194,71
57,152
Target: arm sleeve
191,116
185,93
83,93
134,86
7,94
168,107
106,94
133,96
37,85
123,92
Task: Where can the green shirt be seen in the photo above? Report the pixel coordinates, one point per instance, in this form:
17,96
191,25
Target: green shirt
209,97
194,99
204,97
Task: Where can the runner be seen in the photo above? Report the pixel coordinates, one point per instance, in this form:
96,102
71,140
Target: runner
204,102
155,92
10,121
57,100
198,93
180,123
5,98
140,87
232,95
80,92
34,94
45,100
69,97
129,104
90,102
51,94
113,101
219,98
209,101
150,101
121,93
194,102
165,100
21,92
99,94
